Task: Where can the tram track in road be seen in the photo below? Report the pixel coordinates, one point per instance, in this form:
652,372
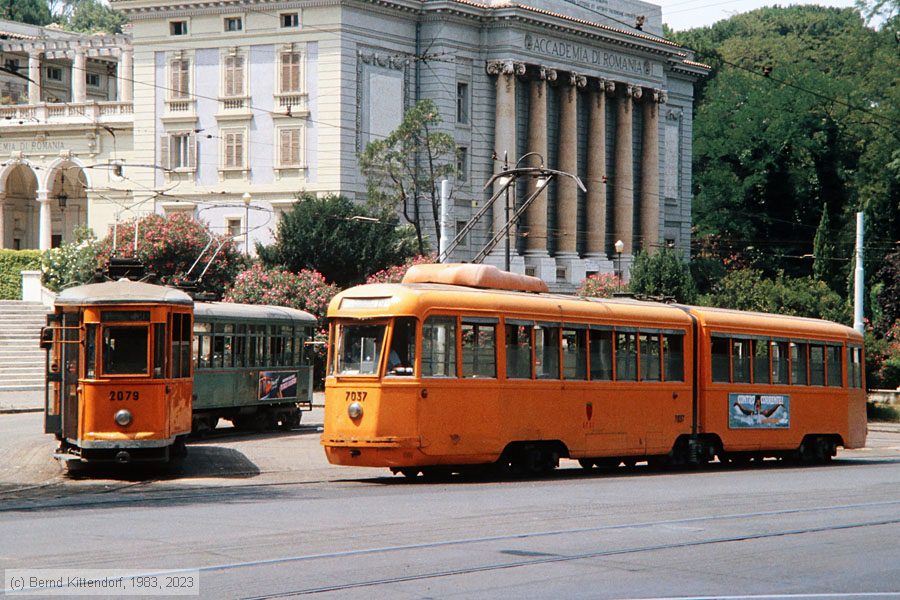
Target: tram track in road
562,558
529,559
538,559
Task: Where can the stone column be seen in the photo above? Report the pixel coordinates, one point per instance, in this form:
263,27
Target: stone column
34,74
2,221
125,75
567,190
46,221
536,241
596,170
79,77
504,126
650,171
623,186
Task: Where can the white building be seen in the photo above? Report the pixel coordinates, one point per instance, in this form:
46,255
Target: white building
65,121
272,98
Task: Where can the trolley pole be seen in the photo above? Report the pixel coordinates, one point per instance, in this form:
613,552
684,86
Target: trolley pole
859,280
506,200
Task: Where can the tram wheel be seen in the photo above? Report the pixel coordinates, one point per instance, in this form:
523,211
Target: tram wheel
586,463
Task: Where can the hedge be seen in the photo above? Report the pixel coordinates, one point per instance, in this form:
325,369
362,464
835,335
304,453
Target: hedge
12,263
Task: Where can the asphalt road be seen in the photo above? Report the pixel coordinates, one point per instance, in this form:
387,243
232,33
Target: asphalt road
266,517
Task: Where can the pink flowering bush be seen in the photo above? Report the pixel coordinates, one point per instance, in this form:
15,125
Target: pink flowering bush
600,285
306,290
169,244
395,274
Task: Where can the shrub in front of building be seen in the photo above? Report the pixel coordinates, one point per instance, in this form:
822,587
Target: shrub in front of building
306,290
12,263
71,264
395,273
168,245
600,285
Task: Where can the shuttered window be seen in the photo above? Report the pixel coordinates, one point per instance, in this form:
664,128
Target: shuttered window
180,83
234,75
291,147
234,149
291,72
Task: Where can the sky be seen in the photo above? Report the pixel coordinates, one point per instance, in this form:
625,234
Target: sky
686,14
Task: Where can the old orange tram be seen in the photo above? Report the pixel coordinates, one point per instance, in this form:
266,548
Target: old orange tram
464,365
133,367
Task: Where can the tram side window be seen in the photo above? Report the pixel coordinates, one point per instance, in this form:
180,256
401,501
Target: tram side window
90,350
721,372
761,366
479,356
518,350
626,356
402,355
835,367
574,351
673,356
740,360
240,346
181,346
439,347
854,366
159,350
816,364
798,363
601,355
779,352
650,358
125,350
546,352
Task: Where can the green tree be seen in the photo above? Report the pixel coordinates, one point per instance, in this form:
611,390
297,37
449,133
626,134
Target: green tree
169,245
407,165
796,116
751,290
343,241
33,12
824,255
89,16
663,273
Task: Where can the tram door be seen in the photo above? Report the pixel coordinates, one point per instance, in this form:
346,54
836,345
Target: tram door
63,370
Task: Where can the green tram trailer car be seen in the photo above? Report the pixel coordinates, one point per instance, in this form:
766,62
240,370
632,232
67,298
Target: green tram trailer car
251,365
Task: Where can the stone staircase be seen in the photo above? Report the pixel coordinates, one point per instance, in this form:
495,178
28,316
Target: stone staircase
21,358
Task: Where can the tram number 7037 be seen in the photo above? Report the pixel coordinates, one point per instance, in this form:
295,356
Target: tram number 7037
123,396
356,396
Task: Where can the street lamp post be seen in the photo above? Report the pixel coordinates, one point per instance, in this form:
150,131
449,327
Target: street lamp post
619,246
247,198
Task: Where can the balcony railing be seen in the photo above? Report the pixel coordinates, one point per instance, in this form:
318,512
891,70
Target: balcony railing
68,112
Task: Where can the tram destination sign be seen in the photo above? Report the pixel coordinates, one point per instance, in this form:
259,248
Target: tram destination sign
597,57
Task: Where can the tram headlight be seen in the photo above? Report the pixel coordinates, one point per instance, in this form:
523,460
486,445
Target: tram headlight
124,418
355,410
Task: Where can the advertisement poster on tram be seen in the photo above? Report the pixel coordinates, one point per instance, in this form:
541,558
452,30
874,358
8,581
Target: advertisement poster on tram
277,385
759,411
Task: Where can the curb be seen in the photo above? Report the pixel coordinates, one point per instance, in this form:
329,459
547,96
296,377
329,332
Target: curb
13,411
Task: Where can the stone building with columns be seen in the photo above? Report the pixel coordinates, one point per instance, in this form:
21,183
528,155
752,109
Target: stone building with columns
274,97
65,121
240,105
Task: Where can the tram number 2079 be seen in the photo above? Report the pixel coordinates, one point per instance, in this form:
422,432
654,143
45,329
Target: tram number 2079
123,396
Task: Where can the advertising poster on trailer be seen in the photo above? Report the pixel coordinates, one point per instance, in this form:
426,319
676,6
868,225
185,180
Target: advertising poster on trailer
759,411
277,385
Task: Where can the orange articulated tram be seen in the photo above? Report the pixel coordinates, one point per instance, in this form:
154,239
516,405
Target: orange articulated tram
464,366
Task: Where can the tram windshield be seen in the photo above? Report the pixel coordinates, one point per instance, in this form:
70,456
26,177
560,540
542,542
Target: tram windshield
359,349
125,350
